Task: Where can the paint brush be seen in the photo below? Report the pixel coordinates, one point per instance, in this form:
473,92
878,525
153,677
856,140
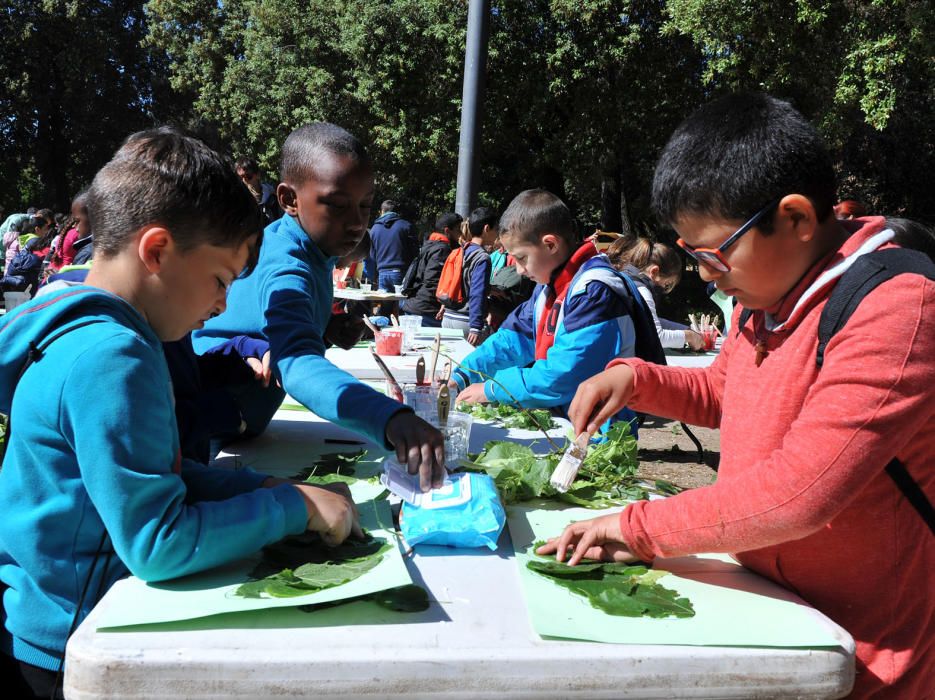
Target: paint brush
567,469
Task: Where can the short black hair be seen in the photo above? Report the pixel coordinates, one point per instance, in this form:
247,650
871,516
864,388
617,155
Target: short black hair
163,176
247,164
735,155
307,144
449,220
534,213
480,217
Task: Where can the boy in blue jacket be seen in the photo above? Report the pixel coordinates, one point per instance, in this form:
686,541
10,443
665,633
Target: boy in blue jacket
92,486
581,315
326,193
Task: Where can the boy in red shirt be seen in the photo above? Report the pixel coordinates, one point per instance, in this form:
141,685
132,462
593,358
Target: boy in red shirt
802,496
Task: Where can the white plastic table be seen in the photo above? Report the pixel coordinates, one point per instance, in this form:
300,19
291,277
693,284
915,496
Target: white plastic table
676,358
475,641
360,363
360,295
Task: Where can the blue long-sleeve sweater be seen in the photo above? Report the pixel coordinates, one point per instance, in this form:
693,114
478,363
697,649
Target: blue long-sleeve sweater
287,300
75,466
602,319
393,243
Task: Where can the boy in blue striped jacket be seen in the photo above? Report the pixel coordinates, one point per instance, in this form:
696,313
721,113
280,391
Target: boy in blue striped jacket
582,314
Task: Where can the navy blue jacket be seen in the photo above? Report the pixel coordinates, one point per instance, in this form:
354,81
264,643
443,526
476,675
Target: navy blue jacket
393,243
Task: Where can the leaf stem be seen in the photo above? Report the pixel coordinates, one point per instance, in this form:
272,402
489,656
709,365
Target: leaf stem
515,401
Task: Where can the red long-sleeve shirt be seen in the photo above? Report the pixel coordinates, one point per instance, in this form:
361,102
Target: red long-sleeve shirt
801,495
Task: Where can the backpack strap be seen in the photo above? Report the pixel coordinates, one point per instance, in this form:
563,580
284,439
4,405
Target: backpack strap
912,491
866,274
35,353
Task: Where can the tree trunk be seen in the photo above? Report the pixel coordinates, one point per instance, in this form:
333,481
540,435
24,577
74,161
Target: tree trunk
610,199
626,226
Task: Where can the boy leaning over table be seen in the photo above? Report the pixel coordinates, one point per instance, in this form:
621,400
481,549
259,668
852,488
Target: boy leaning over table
326,193
93,486
582,314
801,496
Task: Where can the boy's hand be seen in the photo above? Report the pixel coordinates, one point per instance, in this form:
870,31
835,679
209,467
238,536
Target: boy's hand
344,330
473,394
599,538
600,397
419,446
441,314
694,339
261,369
475,338
331,514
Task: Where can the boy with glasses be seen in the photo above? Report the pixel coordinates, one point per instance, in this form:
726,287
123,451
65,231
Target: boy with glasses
804,494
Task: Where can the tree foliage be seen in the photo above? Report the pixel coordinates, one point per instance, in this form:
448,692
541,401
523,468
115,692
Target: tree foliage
74,81
581,95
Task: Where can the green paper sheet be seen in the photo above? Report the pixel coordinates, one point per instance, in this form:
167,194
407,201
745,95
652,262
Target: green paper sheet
733,606
134,602
292,444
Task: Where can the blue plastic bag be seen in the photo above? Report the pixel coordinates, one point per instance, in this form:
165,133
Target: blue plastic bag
467,512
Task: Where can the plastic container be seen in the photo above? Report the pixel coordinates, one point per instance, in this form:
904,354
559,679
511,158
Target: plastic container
709,336
390,341
411,326
13,299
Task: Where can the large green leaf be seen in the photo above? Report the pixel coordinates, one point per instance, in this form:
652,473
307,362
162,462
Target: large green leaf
311,566
618,589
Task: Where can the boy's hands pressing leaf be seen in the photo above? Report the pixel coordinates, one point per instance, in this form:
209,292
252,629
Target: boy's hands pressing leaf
598,538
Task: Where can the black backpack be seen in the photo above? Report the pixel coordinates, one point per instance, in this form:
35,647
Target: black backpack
866,274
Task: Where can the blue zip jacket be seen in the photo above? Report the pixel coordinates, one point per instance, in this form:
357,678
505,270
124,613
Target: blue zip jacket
393,243
287,300
600,320
93,445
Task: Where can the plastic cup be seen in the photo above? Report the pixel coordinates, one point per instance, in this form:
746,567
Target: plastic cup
389,342
399,288
457,434
340,284
365,286
709,336
411,326
423,399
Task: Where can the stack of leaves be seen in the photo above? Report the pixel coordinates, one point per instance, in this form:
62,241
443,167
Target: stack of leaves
607,478
302,564
510,417
616,589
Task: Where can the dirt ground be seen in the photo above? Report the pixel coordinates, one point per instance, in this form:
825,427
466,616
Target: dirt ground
666,452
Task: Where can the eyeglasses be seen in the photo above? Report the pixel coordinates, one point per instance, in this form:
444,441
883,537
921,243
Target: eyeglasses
713,256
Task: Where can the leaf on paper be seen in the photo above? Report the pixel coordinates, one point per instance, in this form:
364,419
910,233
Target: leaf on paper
617,589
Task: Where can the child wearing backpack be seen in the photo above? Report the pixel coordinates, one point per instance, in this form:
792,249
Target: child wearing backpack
656,269
806,493
581,315
422,278
92,486
465,279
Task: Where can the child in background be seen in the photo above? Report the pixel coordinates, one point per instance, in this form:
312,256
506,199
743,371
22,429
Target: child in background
803,494
477,233
80,228
656,269
326,194
23,272
428,269
582,315
92,486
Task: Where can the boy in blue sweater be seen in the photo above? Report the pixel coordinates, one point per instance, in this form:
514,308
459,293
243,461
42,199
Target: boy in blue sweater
93,486
581,315
326,193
